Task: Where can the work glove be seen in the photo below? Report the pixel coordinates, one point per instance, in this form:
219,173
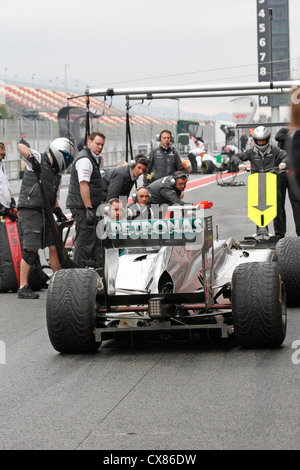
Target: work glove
60,216
36,167
242,167
4,211
12,215
90,215
149,176
13,205
282,166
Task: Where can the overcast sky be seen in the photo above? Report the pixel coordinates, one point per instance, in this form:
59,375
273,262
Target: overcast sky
127,43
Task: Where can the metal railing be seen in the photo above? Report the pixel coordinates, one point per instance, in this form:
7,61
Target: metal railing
12,168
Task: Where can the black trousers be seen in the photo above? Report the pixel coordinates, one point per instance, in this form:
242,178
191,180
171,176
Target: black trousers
285,184
192,159
87,246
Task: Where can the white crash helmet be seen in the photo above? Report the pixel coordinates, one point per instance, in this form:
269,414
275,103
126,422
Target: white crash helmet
63,152
261,133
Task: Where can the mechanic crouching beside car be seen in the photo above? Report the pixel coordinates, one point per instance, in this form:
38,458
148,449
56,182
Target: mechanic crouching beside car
140,208
167,191
124,177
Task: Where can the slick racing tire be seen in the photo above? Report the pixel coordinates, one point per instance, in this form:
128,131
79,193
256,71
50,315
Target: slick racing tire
70,311
258,305
288,255
207,167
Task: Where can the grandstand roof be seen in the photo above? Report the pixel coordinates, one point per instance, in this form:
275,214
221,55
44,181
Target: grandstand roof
48,102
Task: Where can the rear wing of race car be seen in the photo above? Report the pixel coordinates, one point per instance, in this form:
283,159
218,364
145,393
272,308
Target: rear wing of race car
186,227
185,224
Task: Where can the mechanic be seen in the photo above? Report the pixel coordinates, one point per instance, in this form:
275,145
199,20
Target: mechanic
7,202
106,174
167,191
140,207
84,196
110,211
264,156
286,182
192,142
124,177
295,144
115,209
193,154
295,160
35,231
243,141
163,160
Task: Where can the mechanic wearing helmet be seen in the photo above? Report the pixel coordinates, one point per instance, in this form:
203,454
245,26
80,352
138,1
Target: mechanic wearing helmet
84,196
34,228
163,160
167,191
264,156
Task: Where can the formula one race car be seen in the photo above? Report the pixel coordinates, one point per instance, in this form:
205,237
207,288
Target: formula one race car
208,163
168,279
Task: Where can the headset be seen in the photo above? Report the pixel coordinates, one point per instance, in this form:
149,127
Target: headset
3,145
177,177
134,195
158,136
107,208
139,159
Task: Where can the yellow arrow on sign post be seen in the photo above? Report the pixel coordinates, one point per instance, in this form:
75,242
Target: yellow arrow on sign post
262,198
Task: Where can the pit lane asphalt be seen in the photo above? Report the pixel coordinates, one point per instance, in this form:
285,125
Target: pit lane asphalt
164,396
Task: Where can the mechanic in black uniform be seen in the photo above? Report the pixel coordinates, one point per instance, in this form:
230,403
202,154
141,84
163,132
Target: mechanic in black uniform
123,178
285,182
163,160
140,207
84,196
264,156
106,174
167,191
295,145
35,231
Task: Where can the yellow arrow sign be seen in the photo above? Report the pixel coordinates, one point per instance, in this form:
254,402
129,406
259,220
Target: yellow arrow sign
262,198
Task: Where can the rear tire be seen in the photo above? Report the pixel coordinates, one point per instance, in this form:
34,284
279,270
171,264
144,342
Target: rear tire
258,305
71,310
288,254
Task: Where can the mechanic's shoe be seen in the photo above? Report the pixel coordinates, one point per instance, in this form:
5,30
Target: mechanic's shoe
27,293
